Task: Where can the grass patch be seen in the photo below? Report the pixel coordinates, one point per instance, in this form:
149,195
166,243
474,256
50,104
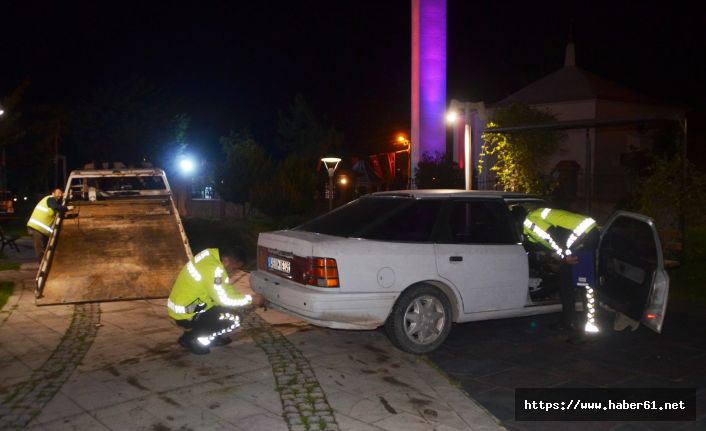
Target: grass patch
9,266
5,291
687,285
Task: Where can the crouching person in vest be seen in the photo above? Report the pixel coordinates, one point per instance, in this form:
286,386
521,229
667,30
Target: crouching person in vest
204,303
41,222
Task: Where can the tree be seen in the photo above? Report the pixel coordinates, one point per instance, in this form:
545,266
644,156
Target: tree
299,132
290,191
438,172
167,153
520,158
246,166
126,121
11,131
673,187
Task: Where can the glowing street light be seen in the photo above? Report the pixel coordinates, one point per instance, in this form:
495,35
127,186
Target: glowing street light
331,163
402,139
452,117
186,165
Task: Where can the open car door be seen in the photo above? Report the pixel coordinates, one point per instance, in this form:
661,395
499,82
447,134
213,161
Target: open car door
632,278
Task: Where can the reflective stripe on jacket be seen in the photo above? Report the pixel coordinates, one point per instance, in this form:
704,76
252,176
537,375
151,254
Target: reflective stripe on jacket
541,220
202,282
43,217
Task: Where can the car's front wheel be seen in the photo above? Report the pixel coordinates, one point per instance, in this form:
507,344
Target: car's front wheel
420,320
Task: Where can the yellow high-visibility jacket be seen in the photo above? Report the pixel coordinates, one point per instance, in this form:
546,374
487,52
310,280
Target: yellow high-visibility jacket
539,221
203,282
43,217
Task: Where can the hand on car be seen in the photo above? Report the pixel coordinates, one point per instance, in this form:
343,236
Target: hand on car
258,300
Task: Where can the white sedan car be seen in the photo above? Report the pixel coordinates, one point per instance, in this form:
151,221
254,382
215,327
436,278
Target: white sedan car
416,261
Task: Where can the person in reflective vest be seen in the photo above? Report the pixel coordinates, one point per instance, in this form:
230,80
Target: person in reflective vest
204,303
41,223
565,233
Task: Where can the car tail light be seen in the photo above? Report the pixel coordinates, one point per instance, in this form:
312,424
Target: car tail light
312,271
320,272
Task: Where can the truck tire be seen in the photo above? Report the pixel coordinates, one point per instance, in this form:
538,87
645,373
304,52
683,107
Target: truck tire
420,321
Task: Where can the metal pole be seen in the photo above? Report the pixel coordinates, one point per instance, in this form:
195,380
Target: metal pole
467,157
588,169
330,190
409,160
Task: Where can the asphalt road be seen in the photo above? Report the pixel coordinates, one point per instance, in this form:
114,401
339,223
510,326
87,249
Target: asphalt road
492,358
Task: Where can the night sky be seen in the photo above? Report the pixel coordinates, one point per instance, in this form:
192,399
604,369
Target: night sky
234,64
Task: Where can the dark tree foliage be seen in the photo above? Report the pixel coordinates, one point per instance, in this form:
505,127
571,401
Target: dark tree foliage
438,172
246,167
31,137
300,132
126,121
290,191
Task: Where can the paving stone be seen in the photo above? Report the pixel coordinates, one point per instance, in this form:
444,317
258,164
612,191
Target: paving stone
279,349
28,399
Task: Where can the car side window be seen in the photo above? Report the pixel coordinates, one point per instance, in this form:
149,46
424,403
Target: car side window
414,223
480,222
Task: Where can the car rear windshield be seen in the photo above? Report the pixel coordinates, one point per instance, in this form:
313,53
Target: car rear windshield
380,218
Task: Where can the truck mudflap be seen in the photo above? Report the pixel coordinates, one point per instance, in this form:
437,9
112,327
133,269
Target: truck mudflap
113,250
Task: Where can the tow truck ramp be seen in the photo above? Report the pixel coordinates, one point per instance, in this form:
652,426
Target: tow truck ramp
123,239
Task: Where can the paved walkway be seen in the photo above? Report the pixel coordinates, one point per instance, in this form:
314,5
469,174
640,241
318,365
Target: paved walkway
492,358
116,366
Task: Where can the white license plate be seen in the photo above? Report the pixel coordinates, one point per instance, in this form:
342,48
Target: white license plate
280,265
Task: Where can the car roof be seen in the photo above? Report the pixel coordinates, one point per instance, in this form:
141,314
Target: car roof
447,193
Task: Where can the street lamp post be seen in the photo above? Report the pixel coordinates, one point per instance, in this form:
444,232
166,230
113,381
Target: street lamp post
331,163
452,117
403,140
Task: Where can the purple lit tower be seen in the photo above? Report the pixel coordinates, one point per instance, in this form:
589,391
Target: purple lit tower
428,77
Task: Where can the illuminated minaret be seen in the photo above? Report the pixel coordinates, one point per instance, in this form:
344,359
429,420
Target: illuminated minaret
428,77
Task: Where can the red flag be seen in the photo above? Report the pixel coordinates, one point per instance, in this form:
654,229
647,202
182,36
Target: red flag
391,164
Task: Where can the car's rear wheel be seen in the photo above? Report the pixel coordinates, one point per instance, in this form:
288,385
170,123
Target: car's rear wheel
420,320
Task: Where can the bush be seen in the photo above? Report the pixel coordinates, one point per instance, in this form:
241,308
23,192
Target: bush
673,187
438,172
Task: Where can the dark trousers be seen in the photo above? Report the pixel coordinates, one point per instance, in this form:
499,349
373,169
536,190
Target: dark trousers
211,322
40,242
567,295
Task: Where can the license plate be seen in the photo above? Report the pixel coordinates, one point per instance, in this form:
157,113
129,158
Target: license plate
280,265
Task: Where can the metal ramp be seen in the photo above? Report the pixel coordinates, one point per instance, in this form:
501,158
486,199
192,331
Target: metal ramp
118,250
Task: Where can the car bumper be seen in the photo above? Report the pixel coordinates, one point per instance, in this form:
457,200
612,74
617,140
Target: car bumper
330,308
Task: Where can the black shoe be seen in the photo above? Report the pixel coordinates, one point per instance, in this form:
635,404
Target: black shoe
221,340
192,345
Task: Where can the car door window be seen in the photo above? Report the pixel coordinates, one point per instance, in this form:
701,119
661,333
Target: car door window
480,222
414,223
